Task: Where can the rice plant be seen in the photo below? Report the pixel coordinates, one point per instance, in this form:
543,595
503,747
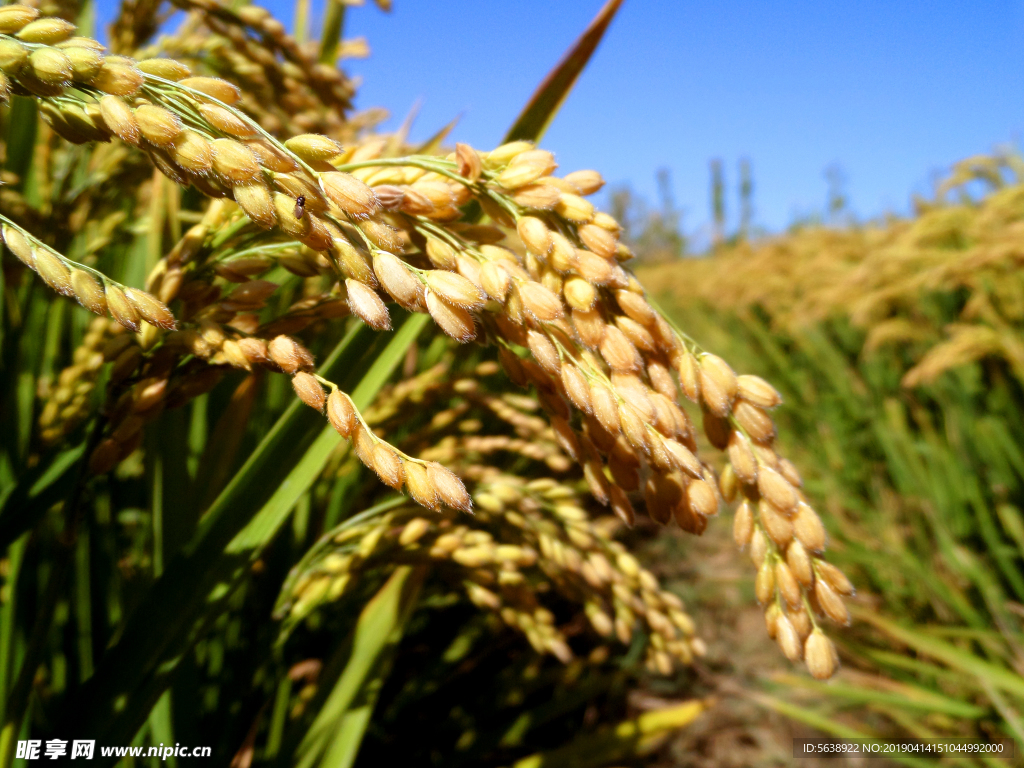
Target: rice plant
277,495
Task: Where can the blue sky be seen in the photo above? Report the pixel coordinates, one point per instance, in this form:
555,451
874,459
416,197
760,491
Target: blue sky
891,92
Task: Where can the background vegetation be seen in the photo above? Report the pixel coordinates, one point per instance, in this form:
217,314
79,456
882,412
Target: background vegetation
896,345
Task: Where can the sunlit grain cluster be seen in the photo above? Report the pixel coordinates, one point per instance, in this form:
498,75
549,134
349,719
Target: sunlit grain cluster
495,247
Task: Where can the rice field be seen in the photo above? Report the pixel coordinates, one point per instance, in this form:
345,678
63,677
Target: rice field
324,447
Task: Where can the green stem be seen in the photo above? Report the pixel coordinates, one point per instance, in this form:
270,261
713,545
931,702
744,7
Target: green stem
8,615
334,27
423,162
301,24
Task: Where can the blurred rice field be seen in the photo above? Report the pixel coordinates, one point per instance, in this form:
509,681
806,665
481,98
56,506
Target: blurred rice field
898,347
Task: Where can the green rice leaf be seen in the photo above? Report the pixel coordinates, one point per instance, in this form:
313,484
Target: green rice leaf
335,735
999,677
552,92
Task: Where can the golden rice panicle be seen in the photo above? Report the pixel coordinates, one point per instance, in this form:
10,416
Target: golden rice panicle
596,345
561,553
786,538
385,460
774,520
67,404
430,484
128,306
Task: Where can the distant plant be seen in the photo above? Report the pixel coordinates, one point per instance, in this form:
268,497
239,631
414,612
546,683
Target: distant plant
657,234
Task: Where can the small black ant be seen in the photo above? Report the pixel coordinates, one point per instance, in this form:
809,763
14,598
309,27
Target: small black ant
300,207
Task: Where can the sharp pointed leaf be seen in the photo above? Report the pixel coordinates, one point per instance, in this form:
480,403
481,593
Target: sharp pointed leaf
432,144
335,735
548,98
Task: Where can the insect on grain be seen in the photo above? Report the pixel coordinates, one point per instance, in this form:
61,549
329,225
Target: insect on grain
300,207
